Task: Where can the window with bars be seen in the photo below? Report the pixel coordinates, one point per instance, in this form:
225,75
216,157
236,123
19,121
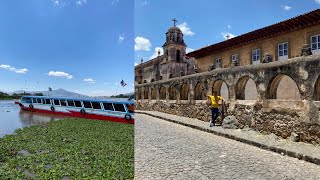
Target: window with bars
256,56
235,59
315,44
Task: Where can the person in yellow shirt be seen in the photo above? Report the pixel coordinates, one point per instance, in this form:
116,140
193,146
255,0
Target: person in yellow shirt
214,106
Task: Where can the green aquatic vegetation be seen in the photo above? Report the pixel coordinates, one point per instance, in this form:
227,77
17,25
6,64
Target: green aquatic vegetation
74,148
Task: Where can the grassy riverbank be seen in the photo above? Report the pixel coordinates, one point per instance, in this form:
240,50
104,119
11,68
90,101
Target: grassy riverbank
70,148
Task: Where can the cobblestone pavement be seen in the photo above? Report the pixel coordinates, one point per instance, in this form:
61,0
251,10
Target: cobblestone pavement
165,150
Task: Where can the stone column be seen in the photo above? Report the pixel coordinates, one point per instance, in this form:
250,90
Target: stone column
191,96
142,92
158,92
149,93
178,89
167,94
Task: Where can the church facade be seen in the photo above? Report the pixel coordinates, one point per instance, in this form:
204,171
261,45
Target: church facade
173,63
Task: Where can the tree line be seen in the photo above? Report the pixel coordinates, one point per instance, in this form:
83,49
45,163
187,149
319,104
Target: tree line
5,96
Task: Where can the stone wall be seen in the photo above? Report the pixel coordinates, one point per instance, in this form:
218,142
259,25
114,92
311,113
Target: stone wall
266,111
264,117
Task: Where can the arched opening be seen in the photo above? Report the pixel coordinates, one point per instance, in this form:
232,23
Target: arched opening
246,89
221,87
154,93
317,90
146,93
172,93
152,80
199,94
145,81
162,92
283,87
184,92
178,56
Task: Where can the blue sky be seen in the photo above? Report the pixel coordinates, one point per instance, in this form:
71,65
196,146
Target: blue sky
206,22
83,46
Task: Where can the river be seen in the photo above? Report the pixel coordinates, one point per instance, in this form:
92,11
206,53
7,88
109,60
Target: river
12,118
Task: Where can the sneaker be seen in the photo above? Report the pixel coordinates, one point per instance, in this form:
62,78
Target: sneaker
211,124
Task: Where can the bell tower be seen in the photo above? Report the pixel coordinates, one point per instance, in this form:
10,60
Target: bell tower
174,48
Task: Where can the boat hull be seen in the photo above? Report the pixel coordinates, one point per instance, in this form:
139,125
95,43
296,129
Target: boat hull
71,113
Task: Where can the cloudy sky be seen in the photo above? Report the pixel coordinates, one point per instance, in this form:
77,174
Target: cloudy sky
83,46
205,22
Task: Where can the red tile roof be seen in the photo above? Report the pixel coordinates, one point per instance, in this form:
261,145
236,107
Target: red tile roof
293,24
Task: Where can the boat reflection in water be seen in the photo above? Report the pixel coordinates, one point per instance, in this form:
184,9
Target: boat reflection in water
28,118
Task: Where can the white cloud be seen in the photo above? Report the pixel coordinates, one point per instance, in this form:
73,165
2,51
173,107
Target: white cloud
60,74
287,8
185,29
142,44
189,50
155,54
13,69
121,38
89,80
114,2
317,1
225,34
144,3
136,64
229,26
81,2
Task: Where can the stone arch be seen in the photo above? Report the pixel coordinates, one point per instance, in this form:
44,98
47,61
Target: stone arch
199,94
283,87
146,93
154,93
317,90
184,92
172,93
246,89
162,92
222,88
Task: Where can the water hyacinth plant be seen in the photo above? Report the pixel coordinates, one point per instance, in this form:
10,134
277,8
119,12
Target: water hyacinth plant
69,149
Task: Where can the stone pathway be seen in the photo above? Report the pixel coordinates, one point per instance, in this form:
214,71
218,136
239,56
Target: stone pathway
305,151
165,150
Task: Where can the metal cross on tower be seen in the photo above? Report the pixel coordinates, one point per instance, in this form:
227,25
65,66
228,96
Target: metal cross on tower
174,21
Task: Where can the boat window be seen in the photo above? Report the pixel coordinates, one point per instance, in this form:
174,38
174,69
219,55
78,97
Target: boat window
27,100
130,108
96,105
77,103
56,102
70,103
108,106
119,107
43,101
48,101
34,100
63,102
38,100
87,104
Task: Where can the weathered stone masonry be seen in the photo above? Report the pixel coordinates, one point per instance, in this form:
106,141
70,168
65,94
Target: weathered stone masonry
185,96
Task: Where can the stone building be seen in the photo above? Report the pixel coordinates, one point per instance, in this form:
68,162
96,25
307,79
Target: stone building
173,63
270,78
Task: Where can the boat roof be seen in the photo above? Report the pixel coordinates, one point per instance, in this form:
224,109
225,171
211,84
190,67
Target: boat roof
82,99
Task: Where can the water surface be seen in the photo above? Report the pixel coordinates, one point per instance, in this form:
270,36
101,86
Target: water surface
12,118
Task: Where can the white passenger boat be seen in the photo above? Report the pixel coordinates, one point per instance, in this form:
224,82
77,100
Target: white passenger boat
116,111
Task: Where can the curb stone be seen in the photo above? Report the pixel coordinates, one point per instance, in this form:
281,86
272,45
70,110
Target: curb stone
281,151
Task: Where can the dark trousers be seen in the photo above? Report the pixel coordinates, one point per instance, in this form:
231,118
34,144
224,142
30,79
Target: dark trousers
214,114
